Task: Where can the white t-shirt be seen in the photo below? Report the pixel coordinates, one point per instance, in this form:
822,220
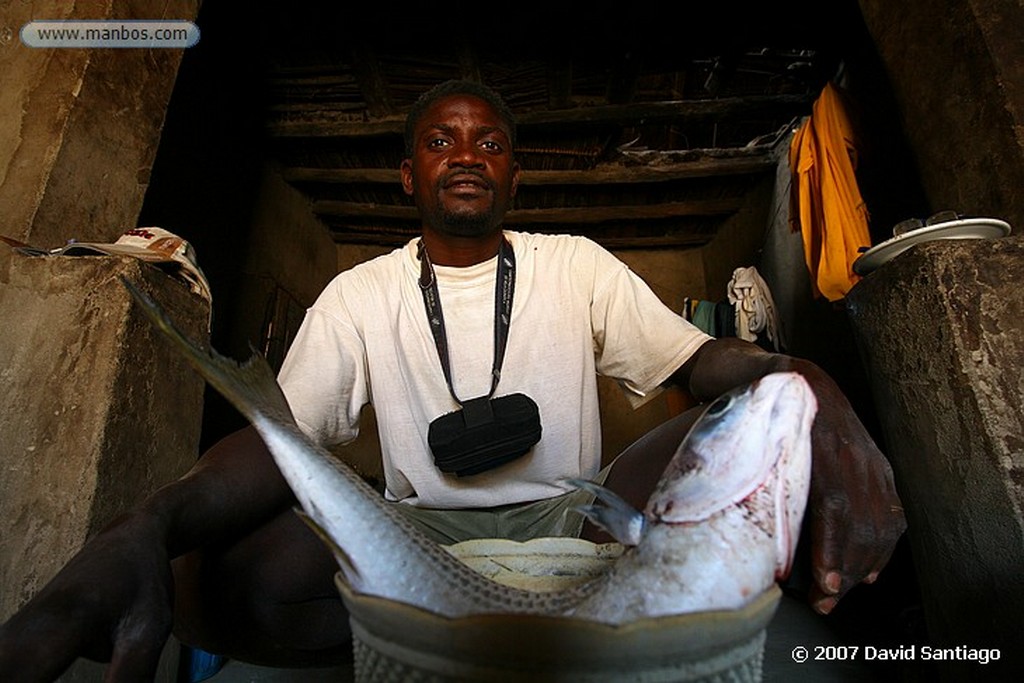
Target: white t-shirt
578,311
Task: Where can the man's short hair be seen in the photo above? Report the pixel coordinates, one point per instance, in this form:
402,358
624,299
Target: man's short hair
456,87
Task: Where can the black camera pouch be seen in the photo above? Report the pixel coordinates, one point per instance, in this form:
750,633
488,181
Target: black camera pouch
486,433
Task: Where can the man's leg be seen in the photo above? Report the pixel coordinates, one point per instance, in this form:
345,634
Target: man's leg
268,599
637,469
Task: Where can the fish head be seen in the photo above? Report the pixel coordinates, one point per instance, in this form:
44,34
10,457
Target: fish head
753,440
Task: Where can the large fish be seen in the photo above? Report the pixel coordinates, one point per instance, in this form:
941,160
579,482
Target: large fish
719,529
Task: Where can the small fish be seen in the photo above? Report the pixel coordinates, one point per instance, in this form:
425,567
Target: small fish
718,530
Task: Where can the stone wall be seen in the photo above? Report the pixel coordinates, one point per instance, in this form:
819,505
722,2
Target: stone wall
940,332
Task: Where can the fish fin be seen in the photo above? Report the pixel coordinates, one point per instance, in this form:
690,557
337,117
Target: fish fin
610,512
348,569
251,386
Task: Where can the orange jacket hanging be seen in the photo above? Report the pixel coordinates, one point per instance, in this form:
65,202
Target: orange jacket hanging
825,203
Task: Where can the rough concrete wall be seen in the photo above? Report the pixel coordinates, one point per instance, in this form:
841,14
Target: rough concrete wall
96,412
939,329
289,254
739,242
957,71
672,274
80,128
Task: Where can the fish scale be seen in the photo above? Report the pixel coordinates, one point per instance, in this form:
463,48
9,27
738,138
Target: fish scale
698,548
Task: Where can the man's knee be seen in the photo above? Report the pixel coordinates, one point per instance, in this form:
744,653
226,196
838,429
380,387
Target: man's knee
268,598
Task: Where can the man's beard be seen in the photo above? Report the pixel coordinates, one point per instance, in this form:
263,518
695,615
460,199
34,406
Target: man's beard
465,224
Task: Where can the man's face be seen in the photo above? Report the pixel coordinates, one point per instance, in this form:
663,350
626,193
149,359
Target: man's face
461,173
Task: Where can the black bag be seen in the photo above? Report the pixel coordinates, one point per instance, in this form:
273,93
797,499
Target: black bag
484,434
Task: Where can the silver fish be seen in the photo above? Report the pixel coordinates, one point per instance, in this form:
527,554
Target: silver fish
718,531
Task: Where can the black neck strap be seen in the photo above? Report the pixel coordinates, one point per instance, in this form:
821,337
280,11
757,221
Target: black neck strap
504,288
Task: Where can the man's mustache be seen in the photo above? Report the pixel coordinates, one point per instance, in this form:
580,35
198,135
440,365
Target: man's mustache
459,175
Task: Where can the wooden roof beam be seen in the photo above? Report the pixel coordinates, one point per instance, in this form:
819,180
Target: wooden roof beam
469,64
326,124
574,215
370,77
396,238
608,174
560,84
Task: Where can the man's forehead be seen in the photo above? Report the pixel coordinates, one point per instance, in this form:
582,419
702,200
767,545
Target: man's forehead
441,112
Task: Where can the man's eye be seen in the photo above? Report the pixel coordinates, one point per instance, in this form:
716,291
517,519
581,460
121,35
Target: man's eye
437,143
491,146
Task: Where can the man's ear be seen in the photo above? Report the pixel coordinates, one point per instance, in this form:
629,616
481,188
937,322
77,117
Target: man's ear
515,178
406,171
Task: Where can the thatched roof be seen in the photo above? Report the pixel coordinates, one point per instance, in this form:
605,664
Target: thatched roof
636,136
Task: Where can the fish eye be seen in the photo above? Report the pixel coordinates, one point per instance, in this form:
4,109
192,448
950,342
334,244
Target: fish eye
718,406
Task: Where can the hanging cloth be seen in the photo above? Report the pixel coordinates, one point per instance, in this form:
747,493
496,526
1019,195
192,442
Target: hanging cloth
754,307
825,202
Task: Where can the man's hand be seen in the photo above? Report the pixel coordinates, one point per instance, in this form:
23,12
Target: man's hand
855,514
112,602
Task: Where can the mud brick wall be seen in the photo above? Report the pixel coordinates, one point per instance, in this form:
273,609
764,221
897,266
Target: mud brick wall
941,330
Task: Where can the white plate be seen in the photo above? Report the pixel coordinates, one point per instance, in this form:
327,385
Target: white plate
968,228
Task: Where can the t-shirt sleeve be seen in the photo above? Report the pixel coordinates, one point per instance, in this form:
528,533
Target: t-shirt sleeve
638,340
324,376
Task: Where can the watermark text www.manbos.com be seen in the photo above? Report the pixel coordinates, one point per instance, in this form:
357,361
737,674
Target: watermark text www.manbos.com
906,653
157,33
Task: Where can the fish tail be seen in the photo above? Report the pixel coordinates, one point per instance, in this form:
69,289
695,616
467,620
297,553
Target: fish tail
251,386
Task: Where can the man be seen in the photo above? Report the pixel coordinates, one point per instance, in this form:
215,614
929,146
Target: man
252,582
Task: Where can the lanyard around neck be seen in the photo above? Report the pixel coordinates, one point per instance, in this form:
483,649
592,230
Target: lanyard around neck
504,288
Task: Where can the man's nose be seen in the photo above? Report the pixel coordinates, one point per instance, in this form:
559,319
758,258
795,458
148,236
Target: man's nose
465,154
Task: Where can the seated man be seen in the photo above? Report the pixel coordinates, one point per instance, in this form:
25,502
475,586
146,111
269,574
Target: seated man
531,314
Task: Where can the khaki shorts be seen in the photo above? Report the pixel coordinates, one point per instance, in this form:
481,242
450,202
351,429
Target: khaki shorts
551,517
